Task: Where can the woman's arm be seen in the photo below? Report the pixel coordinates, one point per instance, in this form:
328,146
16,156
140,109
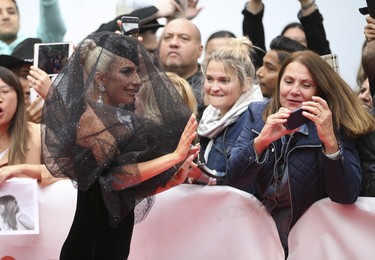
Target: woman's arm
20,170
156,166
312,22
180,176
243,164
51,23
25,221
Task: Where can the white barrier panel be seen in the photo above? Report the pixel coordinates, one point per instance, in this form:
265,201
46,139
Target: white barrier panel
206,222
57,204
334,231
210,222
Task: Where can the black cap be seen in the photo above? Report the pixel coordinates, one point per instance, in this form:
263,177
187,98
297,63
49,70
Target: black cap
121,45
22,53
152,25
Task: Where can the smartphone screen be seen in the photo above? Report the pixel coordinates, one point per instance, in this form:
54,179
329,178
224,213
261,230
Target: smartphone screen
296,119
130,25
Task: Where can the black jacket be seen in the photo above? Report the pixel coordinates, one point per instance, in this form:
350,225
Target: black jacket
252,27
366,151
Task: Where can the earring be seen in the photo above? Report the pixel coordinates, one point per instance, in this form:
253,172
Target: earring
101,91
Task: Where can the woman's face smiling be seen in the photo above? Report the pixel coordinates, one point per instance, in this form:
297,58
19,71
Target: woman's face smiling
8,104
221,86
296,86
121,82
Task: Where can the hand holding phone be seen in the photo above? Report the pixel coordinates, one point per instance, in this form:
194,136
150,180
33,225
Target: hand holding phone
296,119
130,26
34,96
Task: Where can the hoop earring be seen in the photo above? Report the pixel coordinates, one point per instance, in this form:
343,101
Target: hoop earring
101,91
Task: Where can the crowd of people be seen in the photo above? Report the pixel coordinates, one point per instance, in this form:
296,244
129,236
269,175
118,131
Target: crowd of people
127,118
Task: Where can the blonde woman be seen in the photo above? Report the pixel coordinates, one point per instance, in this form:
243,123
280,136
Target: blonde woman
229,89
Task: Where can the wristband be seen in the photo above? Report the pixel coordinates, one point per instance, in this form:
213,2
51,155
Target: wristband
333,155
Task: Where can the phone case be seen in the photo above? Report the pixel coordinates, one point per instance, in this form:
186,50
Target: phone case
130,25
296,119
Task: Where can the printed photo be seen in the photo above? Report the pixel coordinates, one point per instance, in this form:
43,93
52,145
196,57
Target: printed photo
19,207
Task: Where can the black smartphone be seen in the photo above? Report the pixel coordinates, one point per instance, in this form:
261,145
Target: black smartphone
130,25
296,119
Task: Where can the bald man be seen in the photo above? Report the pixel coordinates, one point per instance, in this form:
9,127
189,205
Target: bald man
179,50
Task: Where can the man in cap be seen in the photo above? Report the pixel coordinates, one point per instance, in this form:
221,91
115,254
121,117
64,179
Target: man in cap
51,26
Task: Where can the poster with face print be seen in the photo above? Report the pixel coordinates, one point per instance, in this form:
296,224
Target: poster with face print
19,207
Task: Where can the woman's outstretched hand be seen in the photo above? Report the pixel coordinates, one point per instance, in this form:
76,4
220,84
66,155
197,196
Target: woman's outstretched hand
187,137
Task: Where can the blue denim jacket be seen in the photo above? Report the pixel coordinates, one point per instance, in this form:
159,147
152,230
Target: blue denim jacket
221,148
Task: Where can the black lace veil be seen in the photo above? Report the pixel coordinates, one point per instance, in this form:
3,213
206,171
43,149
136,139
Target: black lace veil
111,107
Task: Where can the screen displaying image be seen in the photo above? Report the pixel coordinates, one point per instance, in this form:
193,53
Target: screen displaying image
52,57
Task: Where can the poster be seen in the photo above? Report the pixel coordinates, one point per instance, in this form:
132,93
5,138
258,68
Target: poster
19,207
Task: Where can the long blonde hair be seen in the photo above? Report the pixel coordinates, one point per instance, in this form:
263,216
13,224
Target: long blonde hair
236,56
347,110
186,91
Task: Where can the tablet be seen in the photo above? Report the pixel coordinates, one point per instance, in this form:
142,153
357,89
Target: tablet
51,57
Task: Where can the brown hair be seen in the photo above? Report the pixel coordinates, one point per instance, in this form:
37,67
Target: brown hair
18,128
347,110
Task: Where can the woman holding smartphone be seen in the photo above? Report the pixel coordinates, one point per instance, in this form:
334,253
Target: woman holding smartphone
292,169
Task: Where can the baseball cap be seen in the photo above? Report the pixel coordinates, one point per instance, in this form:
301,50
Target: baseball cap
152,25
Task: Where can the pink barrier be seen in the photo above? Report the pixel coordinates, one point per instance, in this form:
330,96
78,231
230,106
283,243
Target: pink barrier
206,222
56,211
210,222
333,231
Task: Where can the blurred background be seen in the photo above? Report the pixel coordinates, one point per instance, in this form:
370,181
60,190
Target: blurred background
342,20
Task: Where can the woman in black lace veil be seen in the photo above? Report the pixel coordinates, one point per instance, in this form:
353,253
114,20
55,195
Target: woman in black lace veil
114,124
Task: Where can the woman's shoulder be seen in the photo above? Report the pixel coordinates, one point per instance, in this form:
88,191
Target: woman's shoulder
257,107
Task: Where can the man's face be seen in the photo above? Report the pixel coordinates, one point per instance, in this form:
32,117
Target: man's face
9,21
268,73
180,46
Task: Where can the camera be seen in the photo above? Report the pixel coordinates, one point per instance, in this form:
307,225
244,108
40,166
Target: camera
130,25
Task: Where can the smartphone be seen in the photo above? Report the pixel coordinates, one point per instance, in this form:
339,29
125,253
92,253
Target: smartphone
333,61
296,119
130,25
51,57
33,96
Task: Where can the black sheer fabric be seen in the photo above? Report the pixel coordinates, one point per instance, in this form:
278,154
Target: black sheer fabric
100,119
